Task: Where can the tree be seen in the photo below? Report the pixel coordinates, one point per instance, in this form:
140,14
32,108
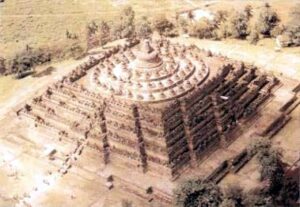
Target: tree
190,15
127,21
267,20
222,25
253,37
182,25
248,11
162,25
2,66
292,32
221,16
124,27
104,32
143,28
223,31
238,25
92,28
116,30
98,34
271,168
195,193
203,28
234,24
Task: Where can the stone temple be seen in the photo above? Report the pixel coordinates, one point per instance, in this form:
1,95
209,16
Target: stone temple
154,109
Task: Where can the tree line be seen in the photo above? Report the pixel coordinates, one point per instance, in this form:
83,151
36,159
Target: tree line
243,24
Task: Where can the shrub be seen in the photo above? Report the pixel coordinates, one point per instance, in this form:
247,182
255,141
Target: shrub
277,30
70,35
77,51
24,62
294,36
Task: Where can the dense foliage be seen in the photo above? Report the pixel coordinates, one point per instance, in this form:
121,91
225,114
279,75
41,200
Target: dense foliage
194,193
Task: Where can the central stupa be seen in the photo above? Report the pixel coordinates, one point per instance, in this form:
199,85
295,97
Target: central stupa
147,58
151,73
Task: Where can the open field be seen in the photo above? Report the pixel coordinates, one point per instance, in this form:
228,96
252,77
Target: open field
41,23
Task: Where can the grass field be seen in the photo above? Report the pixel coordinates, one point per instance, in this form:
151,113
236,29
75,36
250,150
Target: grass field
44,22
40,23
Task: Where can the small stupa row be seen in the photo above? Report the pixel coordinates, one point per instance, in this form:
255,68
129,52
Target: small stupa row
150,75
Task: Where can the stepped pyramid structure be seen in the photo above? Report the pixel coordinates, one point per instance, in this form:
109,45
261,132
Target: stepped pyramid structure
154,108
144,117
